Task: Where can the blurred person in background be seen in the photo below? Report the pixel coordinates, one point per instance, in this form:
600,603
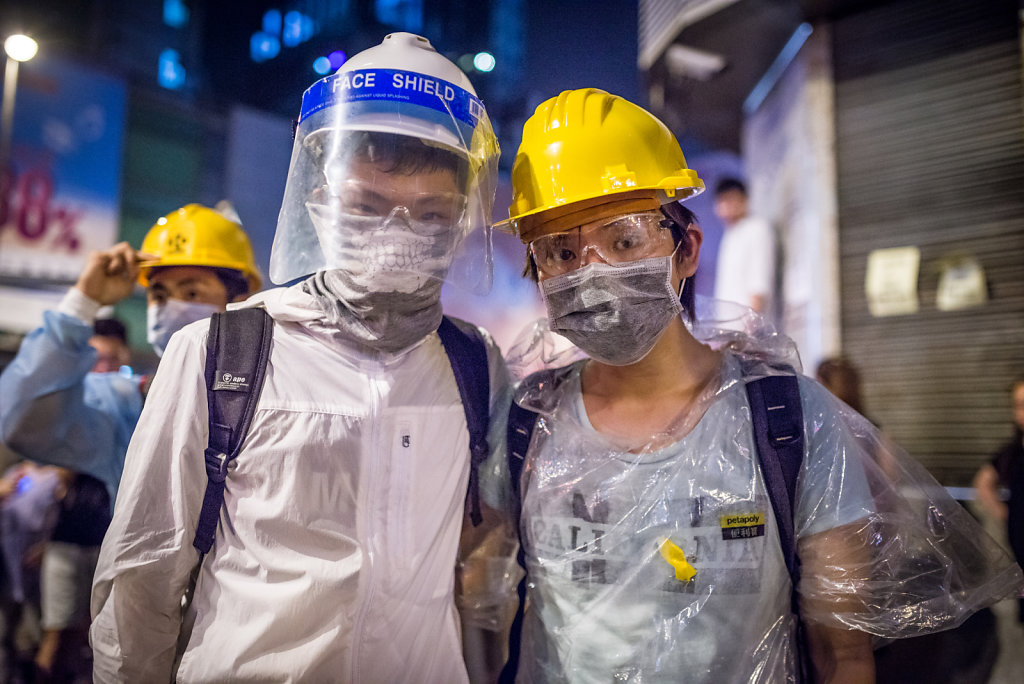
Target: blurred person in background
59,402
69,559
962,655
28,507
842,378
652,535
334,558
1006,472
110,340
68,563
745,271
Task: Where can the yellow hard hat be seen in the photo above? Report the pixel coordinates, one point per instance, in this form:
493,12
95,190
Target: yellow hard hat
199,236
588,146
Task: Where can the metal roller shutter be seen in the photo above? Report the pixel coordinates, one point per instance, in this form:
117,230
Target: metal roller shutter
930,154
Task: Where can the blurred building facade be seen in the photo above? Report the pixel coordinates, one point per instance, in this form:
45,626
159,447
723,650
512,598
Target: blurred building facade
874,126
213,89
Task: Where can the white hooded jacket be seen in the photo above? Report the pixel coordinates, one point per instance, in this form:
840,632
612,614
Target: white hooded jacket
334,555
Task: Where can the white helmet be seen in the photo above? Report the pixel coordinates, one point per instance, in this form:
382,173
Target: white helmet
396,135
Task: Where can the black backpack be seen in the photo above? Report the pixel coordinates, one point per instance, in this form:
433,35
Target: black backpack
777,418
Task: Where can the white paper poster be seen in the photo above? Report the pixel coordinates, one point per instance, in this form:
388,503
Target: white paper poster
891,282
961,286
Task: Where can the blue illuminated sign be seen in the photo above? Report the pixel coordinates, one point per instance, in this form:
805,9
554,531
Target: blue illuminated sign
263,46
175,13
289,30
170,72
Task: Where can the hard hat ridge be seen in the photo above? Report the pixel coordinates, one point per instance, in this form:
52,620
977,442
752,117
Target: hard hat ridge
577,105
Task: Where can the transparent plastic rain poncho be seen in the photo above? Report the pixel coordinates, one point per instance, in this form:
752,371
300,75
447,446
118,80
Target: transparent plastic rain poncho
661,562
391,172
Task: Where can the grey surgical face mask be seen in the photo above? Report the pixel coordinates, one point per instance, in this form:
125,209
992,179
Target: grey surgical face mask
615,314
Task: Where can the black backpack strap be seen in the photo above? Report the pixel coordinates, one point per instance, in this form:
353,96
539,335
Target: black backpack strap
778,424
521,422
467,354
778,430
519,433
237,350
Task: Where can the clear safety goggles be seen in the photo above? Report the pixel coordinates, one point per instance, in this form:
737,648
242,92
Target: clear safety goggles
428,213
618,241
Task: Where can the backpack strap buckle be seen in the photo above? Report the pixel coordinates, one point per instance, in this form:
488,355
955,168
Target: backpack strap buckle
216,464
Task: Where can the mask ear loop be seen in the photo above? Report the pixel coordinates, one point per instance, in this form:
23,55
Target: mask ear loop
682,283
672,256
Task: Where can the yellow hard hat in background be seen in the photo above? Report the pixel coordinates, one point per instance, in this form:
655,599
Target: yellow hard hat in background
199,236
587,146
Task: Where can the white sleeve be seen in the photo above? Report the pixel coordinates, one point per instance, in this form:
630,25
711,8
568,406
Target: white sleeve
494,481
81,306
147,554
487,571
760,252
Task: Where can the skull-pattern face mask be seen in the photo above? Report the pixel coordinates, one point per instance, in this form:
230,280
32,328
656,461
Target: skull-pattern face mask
385,247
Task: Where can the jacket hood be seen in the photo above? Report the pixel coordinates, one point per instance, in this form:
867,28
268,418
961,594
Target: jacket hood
284,304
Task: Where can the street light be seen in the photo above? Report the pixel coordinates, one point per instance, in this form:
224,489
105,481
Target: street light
19,48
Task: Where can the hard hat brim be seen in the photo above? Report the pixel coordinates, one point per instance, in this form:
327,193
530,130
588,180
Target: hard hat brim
253,277
526,225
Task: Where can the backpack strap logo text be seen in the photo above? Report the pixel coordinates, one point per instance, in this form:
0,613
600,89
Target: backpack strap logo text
228,380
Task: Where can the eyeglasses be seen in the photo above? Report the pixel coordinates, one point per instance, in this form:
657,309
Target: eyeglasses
433,212
620,240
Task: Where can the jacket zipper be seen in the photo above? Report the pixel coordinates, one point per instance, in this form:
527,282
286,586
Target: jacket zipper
370,460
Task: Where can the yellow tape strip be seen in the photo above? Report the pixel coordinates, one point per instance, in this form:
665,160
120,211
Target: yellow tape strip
675,557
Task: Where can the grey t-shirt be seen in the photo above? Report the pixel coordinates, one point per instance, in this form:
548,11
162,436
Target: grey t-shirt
598,523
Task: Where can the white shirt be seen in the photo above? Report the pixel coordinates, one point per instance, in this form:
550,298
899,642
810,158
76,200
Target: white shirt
746,262
334,555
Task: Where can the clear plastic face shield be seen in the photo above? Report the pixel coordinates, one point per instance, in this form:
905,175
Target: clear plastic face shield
390,174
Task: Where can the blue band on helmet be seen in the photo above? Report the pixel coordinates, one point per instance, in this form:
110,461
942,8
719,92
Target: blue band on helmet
392,86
